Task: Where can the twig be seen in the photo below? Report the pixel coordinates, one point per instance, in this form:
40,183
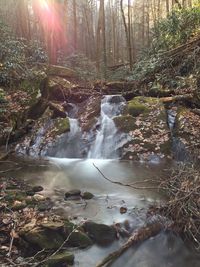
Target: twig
122,184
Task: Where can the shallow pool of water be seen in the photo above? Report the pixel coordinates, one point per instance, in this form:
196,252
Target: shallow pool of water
60,175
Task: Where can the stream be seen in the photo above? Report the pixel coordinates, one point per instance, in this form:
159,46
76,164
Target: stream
62,174
66,170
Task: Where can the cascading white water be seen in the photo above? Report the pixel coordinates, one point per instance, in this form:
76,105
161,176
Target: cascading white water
107,137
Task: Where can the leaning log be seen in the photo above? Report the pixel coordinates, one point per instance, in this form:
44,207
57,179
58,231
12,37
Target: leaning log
186,97
139,235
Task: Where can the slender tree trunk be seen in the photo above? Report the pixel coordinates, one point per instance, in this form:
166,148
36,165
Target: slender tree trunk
75,24
23,23
167,7
127,32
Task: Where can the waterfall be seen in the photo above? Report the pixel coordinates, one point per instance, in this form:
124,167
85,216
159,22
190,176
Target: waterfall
69,144
178,147
107,137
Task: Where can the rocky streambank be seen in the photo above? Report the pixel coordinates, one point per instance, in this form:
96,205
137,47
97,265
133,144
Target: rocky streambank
38,118
32,233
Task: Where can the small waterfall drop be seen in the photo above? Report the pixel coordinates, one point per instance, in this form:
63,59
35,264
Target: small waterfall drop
107,137
69,144
178,147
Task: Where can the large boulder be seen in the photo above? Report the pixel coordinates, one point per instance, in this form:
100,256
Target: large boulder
146,123
45,131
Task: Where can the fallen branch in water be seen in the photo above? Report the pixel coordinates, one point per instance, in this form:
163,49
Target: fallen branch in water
132,185
139,235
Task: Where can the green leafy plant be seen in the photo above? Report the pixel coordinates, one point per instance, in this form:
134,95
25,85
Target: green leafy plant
177,28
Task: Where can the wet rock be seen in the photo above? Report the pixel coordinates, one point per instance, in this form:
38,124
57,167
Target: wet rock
72,193
79,239
63,257
30,193
123,210
87,195
116,99
102,234
37,188
43,238
61,125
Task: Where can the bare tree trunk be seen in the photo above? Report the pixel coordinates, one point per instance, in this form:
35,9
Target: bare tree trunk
167,7
23,23
127,34
75,24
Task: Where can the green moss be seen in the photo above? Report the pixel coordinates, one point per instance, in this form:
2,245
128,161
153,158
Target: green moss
43,238
61,125
139,105
125,123
79,239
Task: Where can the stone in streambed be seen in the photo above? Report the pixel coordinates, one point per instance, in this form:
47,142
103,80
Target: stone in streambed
87,195
37,188
73,193
30,193
79,239
102,234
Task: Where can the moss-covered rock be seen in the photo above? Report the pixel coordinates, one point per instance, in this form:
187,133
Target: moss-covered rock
125,123
43,238
79,239
140,104
61,125
62,257
147,127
